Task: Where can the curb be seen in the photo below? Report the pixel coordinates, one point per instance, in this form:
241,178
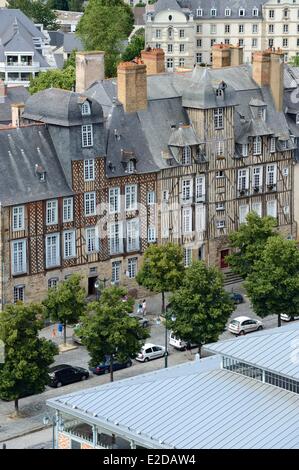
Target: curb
25,433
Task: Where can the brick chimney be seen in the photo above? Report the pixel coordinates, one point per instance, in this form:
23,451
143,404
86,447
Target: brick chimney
221,56
267,70
90,66
16,114
132,86
236,56
154,59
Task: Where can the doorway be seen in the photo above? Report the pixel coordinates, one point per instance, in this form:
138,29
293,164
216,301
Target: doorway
223,262
91,287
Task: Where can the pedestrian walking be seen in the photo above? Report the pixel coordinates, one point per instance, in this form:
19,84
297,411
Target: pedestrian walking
54,331
188,348
139,309
144,307
60,329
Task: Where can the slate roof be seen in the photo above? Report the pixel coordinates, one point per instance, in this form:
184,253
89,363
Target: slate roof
215,409
15,94
21,149
60,107
187,6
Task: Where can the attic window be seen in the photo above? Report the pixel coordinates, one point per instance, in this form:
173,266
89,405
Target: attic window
42,176
40,172
213,12
219,92
130,166
186,155
85,109
262,113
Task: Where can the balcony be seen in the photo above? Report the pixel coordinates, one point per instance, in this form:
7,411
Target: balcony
83,433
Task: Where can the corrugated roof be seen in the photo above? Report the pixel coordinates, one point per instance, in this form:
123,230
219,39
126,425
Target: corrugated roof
214,409
272,350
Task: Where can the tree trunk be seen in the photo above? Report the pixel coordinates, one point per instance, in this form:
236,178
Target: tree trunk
278,320
199,349
17,406
64,333
111,368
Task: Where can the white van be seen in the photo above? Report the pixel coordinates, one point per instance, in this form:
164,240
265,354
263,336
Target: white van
286,317
178,343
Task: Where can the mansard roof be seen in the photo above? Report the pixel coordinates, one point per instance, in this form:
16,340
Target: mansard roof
21,150
61,108
183,136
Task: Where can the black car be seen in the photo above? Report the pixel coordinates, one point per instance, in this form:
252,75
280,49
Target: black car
65,374
236,297
104,368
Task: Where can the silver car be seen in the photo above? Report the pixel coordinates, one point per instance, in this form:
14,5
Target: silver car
243,325
150,351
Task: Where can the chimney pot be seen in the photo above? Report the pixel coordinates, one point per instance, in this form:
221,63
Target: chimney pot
132,86
154,59
16,114
90,67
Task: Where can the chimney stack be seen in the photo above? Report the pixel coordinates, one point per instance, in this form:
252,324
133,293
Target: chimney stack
132,86
267,70
226,55
154,59
90,67
16,114
221,56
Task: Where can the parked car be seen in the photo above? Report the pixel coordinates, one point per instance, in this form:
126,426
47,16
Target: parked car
64,374
243,325
150,351
286,317
142,321
236,297
178,343
104,367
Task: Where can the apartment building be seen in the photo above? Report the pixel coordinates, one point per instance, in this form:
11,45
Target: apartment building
187,30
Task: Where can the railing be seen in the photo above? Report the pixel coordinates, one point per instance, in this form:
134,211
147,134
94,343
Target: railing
19,64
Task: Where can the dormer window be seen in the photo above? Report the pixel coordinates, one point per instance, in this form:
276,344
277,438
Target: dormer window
42,176
227,12
199,12
213,12
255,12
130,166
85,109
262,113
242,12
186,155
219,92
170,33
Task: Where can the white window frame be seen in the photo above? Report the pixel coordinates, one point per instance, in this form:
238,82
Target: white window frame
69,244
52,282
257,207
18,294
227,12
114,200
90,205
187,190
271,170
213,12
132,267
91,240
243,211
272,208
186,155
220,224
85,109
257,176
187,257
220,145
18,218
132,229
52,250
87,135
244,150
89,173
19,257
255,12
242,12
187,220
151,198
52,212
115,272
199,12
115,238
130,166
220,206
272,145
131,197
68,209
243,179
200,188
257,145
218,118
151,234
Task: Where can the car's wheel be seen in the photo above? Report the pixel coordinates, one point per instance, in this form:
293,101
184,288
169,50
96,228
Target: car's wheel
128,364
83,377
242,333
59,384
260,328
107,371
146,359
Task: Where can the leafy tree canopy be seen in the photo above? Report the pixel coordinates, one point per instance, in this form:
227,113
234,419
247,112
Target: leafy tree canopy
135,46
273,285
27,356
66,302
64,79
104,26
201,305
37,10
108,330
249,241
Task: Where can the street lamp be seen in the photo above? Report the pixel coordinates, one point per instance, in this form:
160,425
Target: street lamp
158,322
55,421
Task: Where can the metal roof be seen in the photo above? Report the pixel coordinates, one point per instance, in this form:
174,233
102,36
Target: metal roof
191,409
272,350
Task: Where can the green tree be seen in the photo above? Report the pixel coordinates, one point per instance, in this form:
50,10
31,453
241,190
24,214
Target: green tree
75,5
162,269
201,305
37,10
104,26
66,303
58,4
135,46
273,285
27,356
249,242
107,329
64,79
294,61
